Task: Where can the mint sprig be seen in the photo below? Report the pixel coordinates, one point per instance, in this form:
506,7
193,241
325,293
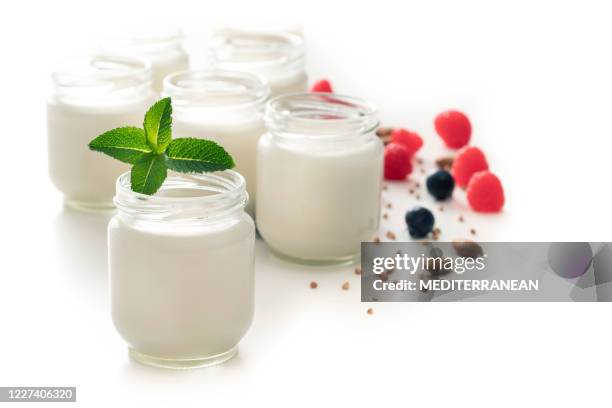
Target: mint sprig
127,144
148,173
158,125
196,155
152,151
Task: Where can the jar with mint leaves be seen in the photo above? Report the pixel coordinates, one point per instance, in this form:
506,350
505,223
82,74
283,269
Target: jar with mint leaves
181,247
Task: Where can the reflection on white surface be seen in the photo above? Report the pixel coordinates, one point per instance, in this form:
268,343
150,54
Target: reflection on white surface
146,376
80,238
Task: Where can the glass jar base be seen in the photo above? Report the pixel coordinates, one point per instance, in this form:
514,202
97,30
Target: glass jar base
347,260
183,364
89,206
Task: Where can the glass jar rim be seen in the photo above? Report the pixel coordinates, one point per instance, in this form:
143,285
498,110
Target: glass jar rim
102,71
232,48
320,115
212,195
214,88
149,41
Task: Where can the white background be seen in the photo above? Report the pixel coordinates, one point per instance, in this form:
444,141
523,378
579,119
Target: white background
534,76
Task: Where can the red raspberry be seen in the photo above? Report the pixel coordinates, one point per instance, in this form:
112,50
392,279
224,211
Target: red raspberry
454,128
411,140
485,192
397,162
469,160
322,85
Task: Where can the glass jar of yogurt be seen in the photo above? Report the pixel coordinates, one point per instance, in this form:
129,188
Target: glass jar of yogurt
181,269
223,106
319,177
278,57
164,49
90,96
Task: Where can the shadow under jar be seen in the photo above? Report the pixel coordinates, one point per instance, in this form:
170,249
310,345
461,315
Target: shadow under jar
181,269
162,48
319,177
91,96
278,57
223,106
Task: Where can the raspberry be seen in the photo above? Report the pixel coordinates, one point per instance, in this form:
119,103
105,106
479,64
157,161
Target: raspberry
322,85
485,192
397,162
454,128
411,140
469,160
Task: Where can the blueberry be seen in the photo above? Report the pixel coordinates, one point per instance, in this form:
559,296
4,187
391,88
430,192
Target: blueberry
420,222
441,184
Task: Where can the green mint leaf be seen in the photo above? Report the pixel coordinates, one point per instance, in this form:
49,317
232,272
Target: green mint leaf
191,155
148,173
158,125
127,144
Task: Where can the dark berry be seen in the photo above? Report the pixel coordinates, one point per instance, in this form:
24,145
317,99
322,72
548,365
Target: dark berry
420,222
441,184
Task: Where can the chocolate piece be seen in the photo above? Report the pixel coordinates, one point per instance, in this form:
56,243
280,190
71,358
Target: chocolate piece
445,163
467,248
384,131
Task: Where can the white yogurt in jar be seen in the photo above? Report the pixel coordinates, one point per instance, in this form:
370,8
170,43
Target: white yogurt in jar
278,57
319,177
181,269
223,106
89,97
164,49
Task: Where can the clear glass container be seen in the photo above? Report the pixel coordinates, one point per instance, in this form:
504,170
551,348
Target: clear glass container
181,269
90,96
319,177
223,106
279,57
164,49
